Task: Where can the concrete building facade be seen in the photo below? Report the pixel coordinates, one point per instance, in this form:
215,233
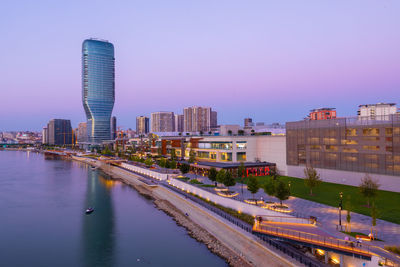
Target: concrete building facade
380,111
179,122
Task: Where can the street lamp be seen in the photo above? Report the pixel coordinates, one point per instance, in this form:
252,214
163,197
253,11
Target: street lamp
340,208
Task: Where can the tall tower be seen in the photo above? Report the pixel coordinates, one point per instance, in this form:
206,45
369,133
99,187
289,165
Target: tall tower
98,88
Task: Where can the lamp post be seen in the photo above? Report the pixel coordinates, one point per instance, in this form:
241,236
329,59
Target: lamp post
340,208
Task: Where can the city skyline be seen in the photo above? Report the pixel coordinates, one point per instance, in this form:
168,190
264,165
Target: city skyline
250,55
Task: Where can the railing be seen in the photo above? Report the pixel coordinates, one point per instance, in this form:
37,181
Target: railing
286,249
324,241
286,219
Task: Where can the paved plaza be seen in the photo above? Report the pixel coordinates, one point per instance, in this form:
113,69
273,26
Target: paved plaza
326,215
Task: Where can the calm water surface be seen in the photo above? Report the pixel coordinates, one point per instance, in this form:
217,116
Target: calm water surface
42,219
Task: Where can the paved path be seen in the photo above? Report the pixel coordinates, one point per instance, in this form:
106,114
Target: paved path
328,216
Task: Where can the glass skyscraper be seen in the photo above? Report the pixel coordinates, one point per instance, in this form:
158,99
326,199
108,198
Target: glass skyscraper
98,88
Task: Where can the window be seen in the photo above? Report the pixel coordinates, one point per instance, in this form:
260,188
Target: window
226,156
389,148
241,145
241,156
349,150
370,131
349,142
315,147
389,131
351,132
371,147
331,148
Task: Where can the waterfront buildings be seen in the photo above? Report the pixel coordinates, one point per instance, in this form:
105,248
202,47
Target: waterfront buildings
198,119
81,134
98,88
343,150
258,152
59,132
322,114
162,121
380,111
179,122
142,125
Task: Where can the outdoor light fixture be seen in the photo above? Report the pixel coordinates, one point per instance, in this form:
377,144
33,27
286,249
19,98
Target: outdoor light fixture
340,208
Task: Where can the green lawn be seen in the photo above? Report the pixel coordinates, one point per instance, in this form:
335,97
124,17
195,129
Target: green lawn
387,203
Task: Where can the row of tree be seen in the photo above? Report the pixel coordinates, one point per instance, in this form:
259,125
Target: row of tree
221,176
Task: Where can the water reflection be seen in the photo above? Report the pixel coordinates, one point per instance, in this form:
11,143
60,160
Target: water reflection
98,227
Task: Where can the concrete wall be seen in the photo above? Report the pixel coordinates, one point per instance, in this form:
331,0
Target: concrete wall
272,149
387,182
228,202
149,172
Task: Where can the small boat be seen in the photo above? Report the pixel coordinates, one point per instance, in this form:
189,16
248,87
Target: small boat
89,210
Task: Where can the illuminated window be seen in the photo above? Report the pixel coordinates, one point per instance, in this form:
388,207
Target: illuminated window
371,131
371,147
349,150
331,148
389,131
351,132
241,145
241,156
349,142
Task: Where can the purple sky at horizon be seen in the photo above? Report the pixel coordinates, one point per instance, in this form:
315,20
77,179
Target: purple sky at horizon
270,60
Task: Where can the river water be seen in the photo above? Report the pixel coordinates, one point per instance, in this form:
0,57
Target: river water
43,223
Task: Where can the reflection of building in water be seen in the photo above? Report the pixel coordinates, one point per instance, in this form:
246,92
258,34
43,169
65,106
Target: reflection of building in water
98,227
107,182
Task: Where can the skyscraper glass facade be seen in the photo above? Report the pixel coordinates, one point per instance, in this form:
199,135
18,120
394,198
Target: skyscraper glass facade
98,88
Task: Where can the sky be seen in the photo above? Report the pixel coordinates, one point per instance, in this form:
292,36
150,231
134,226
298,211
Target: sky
269,60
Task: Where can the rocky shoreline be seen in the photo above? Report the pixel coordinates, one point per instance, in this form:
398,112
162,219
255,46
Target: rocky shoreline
193,229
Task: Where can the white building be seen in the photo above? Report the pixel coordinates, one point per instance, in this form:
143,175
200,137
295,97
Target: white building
196,119
380,111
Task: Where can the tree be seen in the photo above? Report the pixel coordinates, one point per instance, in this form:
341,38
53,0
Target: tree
229,132
312,178
173,164
167,164
240,132
252,185
228,179
212,175
282,191
184,168
209,132
221,176
180,134
241,170
269,187
192,156
173,154
252,132
148,162
274,173
348,208
201,133
161,163
369,188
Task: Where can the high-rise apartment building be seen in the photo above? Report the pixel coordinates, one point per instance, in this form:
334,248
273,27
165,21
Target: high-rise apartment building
179,121
113,127
81,134
198,119
380,111
322,114
45,136
59,132
142,125
162,121
98,88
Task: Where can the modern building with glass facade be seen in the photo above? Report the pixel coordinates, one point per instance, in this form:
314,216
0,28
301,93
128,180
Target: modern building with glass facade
98,88
59,132
345,149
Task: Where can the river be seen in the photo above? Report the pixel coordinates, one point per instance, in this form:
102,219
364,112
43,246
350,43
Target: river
43,220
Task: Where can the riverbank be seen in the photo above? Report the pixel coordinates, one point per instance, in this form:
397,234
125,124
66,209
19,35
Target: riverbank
237,248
